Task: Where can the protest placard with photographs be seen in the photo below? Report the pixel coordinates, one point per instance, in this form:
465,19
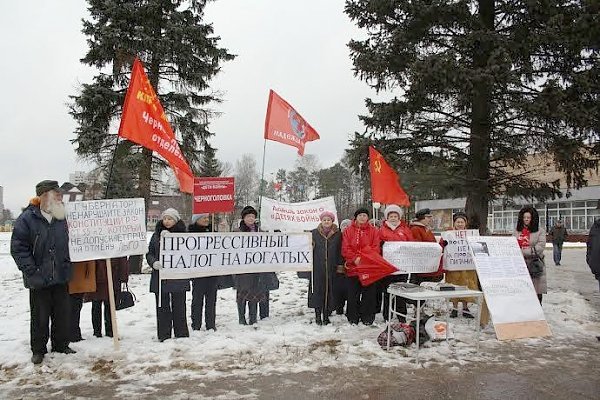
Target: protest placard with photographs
509,293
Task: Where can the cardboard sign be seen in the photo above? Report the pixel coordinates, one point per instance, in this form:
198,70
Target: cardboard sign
294,217
413,257
213,195
507,287
101,229
193,255
457,256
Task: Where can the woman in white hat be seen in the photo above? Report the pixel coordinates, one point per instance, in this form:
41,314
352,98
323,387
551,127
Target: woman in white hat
394,229
171,315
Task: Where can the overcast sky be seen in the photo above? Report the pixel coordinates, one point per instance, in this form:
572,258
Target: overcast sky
297,48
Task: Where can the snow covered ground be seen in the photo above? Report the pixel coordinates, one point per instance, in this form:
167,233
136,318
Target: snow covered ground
287,342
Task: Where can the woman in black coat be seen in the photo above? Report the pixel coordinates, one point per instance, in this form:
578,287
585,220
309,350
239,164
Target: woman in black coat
204,290
327,255
253,289
171,315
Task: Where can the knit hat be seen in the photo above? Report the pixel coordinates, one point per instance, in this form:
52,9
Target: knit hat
423,213
362,210
327,214
249,210
45,186
458,215
392,208
171,213
196,217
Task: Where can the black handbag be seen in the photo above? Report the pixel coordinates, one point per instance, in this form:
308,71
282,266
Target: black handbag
125,299
272,282
535,265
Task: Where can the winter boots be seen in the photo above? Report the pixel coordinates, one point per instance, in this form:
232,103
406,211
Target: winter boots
321,318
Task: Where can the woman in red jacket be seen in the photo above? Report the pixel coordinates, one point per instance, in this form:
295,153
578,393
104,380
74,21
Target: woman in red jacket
393,229
360,236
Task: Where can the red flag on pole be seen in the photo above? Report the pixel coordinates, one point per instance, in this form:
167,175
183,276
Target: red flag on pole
144,122
283,124
385,184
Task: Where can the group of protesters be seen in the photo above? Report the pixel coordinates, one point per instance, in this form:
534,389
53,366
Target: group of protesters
39,246
333,286
336,252
252,288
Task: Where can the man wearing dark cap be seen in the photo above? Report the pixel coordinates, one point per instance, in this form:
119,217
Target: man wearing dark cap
421,226
39,246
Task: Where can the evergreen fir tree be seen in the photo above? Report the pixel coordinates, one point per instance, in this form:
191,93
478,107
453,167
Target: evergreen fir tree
180,53
480,86
209,165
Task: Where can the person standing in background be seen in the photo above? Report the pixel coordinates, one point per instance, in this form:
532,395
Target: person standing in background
532,241
559,235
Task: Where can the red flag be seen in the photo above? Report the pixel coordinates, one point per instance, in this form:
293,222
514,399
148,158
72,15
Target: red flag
283,124
385,184
372,268
144,122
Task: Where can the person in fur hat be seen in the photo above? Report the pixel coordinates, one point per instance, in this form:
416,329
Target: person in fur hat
204,290
327,257
171,315
393,229
421,228
39,246
360,236
253,289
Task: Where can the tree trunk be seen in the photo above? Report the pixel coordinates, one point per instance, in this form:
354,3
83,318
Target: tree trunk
481,117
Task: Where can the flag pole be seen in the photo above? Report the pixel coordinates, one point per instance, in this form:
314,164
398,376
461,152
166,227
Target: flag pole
262,177
110,170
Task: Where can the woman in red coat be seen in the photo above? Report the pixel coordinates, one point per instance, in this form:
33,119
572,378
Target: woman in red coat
360,236
393,229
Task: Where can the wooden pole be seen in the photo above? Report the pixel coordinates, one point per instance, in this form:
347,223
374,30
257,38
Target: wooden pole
111,300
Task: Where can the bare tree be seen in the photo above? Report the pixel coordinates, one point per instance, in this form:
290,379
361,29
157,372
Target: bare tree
246,182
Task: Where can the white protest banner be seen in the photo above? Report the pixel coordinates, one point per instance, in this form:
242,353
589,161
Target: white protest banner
193,255
509,293
457,256
101,229
294,217
413,257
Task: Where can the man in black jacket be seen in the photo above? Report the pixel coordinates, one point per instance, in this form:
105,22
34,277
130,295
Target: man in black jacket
39,246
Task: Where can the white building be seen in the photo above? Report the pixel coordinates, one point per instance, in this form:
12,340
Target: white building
78,177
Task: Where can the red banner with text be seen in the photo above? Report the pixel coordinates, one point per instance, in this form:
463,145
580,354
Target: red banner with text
213,195
144,122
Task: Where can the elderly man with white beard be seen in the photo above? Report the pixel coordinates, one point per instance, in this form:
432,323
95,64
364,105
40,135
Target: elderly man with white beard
39,246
